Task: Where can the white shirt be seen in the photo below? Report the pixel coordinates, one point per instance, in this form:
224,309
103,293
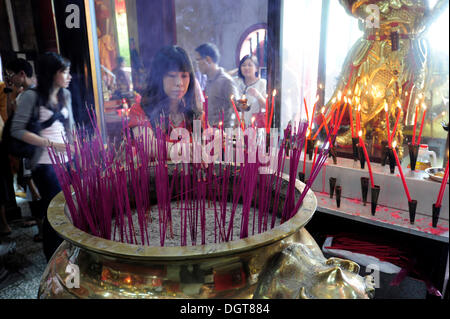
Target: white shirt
260,85
55,133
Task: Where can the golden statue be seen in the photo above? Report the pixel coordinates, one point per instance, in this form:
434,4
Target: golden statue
389,63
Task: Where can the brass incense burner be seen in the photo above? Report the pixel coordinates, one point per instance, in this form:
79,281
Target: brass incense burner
284,262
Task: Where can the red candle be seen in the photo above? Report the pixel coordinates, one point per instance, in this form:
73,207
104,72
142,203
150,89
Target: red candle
237,113
405,186
333,107
415,123
350,114
386,110
342,116
338,108
358,119
304,154
396,122
421,124
267,113
315,155
320,128
271,112
314,111
326,126
307,115
366,155
326,119
441,190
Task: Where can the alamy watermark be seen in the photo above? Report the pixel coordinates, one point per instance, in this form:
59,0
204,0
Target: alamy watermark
73,19
230,145
73,277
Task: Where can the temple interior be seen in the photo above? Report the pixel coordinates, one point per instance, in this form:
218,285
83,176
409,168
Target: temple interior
287,148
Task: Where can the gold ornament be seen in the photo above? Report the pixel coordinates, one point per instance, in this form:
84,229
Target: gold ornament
389,62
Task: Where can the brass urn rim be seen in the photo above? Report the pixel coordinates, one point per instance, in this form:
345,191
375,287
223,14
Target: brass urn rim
58,218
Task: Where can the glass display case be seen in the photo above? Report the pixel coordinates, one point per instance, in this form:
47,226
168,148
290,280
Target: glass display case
303,49
130,32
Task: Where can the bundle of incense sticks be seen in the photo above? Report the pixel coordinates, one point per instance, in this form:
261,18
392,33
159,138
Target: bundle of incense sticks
106,185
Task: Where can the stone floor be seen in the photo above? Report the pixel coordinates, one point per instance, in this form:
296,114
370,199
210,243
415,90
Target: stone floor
25,267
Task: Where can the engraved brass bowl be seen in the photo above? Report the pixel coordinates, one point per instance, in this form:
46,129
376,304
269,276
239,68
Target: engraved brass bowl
85,266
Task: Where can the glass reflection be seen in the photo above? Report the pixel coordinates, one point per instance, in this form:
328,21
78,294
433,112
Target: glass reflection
130,32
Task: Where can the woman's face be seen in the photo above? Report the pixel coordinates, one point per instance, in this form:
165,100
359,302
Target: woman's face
248,69
62,78
176,84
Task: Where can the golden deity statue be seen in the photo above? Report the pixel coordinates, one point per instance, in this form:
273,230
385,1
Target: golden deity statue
389,63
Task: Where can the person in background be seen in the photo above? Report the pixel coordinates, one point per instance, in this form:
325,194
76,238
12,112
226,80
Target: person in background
219,85
170,94
4,168
138,73
6,247
122,81
49,101
21,78
252,86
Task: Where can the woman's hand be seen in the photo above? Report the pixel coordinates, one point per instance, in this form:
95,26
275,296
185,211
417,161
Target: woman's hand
254,92
61,147
261,100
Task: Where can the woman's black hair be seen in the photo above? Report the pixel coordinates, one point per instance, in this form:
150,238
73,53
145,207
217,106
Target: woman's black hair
245,58
155,102
48,65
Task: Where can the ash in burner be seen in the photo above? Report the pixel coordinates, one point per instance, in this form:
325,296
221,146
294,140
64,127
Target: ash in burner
185,226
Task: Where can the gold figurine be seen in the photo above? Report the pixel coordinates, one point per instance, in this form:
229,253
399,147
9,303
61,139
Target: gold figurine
389,63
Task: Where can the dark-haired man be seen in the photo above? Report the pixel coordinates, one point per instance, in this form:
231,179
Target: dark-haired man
19,77
219,85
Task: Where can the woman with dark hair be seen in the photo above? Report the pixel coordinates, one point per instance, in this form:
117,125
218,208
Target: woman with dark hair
50,106
172,94
252,86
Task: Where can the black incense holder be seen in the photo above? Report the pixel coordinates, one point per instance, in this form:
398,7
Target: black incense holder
384,152
374,202
392,163
436,211
364,188
362,158
332,186
301,177
332,154
412,206
338,195
413,152
355,141
310,149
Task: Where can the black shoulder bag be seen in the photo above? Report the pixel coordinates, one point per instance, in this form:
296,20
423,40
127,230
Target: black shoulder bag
19,148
